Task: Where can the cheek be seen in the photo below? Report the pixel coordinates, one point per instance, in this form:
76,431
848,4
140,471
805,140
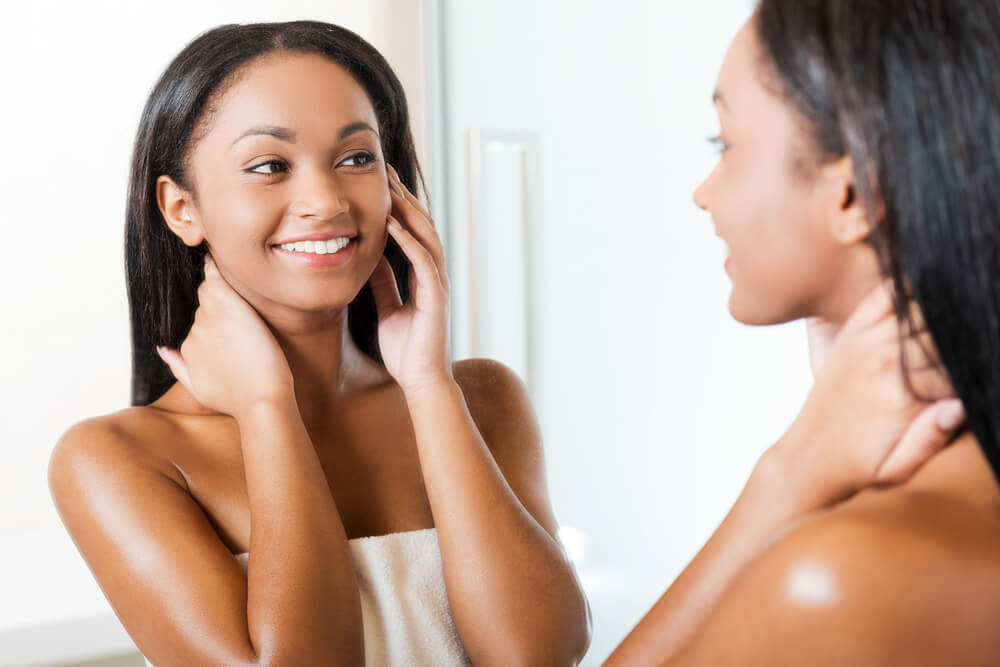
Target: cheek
236,218
778,256
371,204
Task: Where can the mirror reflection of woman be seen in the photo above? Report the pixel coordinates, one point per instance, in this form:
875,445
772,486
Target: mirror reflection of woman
321,485
860,142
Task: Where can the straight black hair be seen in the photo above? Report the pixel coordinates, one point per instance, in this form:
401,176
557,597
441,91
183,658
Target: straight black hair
910,90
162,273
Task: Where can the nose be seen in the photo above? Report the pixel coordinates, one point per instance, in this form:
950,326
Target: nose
319,195
700,195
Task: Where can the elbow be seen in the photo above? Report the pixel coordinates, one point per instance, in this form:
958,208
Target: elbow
546,647
352,655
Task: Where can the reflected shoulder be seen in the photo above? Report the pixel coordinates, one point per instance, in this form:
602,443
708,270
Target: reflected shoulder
876,582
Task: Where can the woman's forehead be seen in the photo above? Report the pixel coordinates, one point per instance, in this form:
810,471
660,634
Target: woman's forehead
300,91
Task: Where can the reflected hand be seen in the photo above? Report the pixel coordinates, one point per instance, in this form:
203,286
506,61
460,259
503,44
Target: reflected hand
413,337
861,425
229,360
821,335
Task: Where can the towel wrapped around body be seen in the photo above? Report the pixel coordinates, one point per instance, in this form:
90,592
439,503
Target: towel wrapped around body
404,605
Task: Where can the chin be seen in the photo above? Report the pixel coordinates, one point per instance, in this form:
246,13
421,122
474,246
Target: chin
758,313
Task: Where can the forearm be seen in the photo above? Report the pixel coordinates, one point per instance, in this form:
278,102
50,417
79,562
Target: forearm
778,494
498,560
302,597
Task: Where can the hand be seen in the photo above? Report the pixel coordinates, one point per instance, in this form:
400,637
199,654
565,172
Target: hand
861,425
821,335
413,337
229,360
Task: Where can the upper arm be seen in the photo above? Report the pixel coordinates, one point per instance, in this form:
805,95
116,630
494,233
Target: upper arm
499,404
836,591
172,582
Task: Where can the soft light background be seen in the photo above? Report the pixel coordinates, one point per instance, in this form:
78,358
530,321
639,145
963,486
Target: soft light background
653,402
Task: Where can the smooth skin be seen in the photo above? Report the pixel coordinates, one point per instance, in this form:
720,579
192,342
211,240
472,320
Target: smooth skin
282,439
862,536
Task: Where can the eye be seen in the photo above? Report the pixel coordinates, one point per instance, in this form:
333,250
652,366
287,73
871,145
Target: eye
362,159
268,168
717,143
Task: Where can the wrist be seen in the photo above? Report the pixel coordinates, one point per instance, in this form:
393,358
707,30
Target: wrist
430,385
265,406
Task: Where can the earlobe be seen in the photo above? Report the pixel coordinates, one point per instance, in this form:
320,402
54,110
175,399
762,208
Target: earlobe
178,212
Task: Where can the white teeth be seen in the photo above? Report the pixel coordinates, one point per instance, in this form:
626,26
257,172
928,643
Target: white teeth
318,247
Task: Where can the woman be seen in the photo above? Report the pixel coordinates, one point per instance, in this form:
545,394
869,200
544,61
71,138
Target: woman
322,485
859,140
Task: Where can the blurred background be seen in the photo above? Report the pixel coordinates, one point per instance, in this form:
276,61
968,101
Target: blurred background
561,140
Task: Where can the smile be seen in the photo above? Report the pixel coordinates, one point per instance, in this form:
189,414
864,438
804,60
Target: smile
317,247
318,254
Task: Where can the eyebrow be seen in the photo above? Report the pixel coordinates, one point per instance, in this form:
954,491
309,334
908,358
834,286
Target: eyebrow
285,134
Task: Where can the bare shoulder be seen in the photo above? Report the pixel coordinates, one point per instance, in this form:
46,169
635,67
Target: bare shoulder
497,398
499,404
110,444
895,578
489,384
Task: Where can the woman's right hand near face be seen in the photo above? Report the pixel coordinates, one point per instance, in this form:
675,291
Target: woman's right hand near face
230,360
861,425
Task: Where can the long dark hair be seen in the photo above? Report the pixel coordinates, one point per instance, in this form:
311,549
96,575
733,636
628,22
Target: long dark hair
162,273
909,89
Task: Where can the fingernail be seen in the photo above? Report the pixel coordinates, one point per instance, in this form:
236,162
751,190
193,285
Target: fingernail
951,415
394,223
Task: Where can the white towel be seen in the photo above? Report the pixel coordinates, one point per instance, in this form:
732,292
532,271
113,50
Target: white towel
404,605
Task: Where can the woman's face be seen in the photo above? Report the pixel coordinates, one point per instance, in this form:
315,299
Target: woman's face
292,152
774,215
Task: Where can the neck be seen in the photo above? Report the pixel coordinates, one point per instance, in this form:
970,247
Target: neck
859,276
325,362
961,470
326,365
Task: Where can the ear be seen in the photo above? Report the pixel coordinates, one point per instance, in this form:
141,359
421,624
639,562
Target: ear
849,220
178,210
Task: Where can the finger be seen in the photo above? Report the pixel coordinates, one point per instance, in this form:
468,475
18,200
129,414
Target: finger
409,196
423,265
420,226
384,289
175,362
915,323
933,429
929,378
874,308
211,269
931,384
820,335
407,201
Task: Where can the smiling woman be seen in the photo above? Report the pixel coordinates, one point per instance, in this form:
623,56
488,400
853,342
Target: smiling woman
303,469
197,82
